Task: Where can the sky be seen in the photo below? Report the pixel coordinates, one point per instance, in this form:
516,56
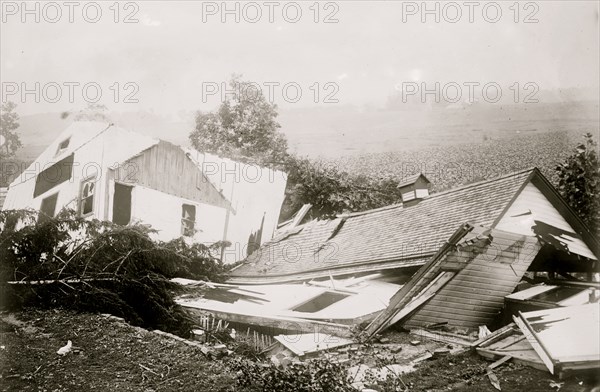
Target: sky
175,56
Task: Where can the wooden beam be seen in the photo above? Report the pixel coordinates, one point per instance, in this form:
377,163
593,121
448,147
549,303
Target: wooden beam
398,300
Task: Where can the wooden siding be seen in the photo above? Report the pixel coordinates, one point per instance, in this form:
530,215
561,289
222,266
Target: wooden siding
3,192
166,168
531,205
476,294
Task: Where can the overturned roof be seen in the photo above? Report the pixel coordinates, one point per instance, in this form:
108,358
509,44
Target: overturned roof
393,236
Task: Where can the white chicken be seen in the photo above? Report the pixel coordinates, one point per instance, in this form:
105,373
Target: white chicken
65,349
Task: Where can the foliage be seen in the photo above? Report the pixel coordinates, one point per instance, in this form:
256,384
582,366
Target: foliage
92,112
579,182
9,122
98,266
315,375
332,191
246,348
244,127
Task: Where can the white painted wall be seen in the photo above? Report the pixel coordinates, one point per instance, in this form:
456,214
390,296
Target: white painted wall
255,192
95,149
517,218
163,212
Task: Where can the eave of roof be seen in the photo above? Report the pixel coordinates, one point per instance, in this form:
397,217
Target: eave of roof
366,241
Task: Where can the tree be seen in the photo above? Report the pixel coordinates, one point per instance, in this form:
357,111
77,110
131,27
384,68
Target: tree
9,122
579,182
243,128
92,112
332,191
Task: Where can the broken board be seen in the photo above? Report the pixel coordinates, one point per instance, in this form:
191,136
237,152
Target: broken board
510,342
309,343
566,338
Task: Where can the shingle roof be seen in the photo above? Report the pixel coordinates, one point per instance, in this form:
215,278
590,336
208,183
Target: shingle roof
389,234
411,180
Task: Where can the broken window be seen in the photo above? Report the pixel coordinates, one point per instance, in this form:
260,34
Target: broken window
86,196
48,208
558,294
320,302
54,175
188,220
62,146
122,204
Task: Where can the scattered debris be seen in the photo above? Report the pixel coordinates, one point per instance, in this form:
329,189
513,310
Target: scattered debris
500,362
494,380
440,352
566,338
483,331
65,349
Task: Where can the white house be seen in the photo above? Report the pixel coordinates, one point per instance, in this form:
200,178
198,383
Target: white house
106,172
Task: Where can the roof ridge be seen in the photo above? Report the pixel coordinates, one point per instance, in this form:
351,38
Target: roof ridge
477,183
459,188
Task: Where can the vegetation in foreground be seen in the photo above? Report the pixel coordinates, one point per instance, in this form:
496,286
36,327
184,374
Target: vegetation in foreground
109,355
94,266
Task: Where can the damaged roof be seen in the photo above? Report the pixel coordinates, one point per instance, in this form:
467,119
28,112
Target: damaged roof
389,237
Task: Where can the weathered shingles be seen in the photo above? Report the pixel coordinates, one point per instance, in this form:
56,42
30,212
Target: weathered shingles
392,233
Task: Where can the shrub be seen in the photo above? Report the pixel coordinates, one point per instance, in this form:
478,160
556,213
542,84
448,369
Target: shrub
89,265
316,375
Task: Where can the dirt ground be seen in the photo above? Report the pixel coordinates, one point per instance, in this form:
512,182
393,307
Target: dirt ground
109,355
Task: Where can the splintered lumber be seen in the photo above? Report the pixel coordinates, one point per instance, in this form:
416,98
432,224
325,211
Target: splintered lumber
509,342
565,338
495,336
441,336
500,362
404,296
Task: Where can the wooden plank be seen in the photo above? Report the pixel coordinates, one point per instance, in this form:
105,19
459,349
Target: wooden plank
397,299
537,346
499,362
530,359
494,336
508,342
438,336
290,325
410,307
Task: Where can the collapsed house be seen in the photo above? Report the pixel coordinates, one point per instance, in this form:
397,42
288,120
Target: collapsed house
108,173
447,258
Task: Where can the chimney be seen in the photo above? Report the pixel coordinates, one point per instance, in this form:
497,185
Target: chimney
414,189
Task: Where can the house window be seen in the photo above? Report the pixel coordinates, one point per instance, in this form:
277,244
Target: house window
122,204
188,220
54,175
86,196
62,146
48,208
320,302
